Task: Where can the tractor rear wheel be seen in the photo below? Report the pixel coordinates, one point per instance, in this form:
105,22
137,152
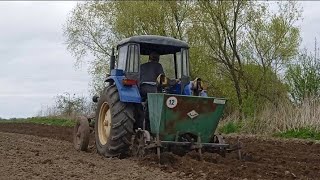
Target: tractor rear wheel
114,124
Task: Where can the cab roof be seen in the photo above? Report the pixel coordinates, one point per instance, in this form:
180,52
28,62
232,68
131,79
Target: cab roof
160,44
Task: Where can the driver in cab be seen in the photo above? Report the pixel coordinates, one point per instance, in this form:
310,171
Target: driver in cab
148,74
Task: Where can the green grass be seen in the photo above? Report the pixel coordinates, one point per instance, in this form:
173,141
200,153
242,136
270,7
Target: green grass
230,127
303,133
43,120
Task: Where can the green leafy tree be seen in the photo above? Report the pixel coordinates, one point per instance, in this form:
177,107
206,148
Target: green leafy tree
89,38
303,77
224,37
273,90
242,32
94,28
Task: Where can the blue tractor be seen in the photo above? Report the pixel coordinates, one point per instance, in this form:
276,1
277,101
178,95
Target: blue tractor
123,109
119,105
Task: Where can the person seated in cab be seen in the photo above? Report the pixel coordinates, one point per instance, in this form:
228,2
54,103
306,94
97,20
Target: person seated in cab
149,73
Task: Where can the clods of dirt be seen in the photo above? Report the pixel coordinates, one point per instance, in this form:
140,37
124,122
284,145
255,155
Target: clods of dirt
51,156
59,160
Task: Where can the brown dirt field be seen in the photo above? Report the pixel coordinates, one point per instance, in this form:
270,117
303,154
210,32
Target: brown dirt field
32,157
55,132
49,155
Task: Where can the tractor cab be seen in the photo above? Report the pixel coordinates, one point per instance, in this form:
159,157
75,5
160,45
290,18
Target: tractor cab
135,50
174,58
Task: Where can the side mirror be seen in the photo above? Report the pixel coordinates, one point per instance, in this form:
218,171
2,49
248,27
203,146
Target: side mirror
112,60
95,98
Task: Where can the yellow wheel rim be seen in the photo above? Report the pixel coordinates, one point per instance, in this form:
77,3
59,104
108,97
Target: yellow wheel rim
104,123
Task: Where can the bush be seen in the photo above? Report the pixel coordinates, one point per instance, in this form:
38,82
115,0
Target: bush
55,121
286,119
303,133
68,106
303,77
230,127
50,121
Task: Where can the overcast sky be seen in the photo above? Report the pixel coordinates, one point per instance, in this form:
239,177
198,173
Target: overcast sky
35,65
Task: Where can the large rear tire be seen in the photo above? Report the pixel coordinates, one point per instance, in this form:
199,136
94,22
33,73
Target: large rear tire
114,124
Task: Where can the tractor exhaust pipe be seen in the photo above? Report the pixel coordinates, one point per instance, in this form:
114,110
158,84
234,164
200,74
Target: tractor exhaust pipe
112,60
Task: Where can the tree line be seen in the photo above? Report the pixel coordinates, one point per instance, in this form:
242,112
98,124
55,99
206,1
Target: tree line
246,51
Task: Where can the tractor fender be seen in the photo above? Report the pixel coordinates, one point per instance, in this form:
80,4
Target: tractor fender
128,94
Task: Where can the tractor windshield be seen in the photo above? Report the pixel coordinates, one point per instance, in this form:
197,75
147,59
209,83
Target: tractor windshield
174,65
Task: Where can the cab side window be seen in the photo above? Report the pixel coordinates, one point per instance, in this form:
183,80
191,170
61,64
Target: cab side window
185,62
133,58
122,58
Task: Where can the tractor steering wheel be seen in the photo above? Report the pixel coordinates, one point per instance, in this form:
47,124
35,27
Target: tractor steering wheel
164,83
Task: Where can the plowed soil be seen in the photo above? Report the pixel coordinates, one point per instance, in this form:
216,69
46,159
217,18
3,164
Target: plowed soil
29,151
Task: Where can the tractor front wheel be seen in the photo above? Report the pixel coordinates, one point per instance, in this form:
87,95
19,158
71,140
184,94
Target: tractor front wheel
114,124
